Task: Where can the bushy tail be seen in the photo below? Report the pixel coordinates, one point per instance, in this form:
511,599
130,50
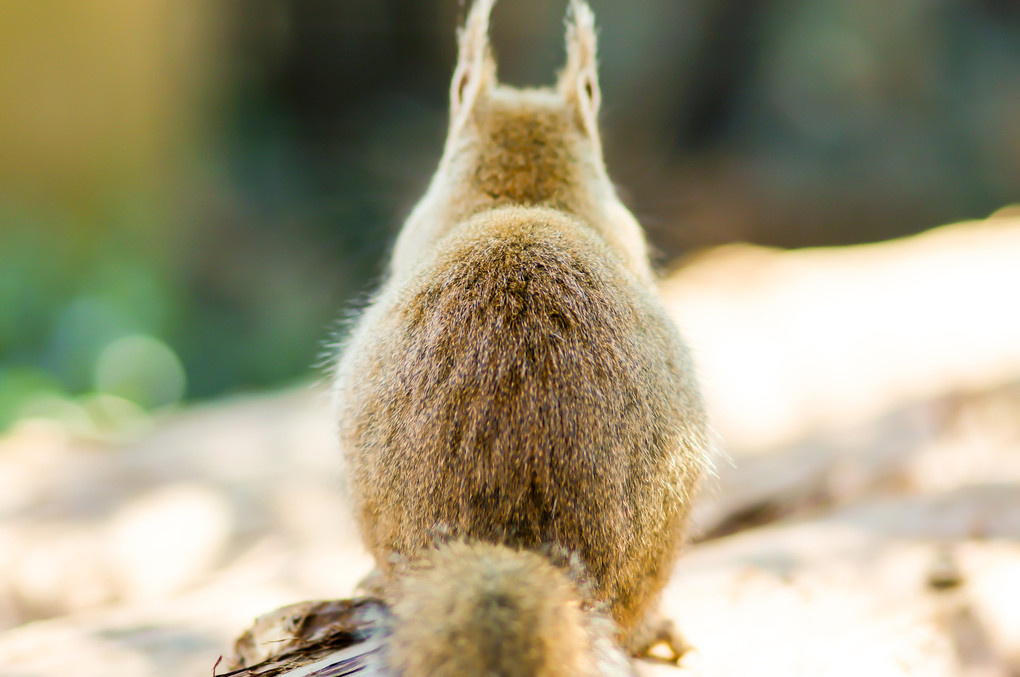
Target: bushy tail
481,609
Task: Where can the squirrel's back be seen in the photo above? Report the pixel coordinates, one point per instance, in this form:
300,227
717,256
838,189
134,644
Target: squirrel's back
526,389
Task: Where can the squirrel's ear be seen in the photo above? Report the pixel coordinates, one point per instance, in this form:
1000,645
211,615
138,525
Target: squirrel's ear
579,81
476,67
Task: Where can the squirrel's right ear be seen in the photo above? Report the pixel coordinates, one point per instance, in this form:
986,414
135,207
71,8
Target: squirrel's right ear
476,67
579,80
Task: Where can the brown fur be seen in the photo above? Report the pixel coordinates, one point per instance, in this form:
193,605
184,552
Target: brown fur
479,609
516,379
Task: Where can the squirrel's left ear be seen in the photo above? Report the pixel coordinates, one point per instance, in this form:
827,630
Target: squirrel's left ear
579,81
476,68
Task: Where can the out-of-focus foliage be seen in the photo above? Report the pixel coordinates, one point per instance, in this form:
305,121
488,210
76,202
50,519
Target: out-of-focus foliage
190,192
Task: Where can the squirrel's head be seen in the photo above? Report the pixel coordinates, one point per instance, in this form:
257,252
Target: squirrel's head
475,91
529,147
525,145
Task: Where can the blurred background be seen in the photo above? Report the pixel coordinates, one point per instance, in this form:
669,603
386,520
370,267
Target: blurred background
192,192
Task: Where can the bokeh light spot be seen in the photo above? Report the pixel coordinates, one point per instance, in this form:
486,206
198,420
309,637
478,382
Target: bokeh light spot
141,369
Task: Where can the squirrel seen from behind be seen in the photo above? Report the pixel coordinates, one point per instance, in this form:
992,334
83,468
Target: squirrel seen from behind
516,379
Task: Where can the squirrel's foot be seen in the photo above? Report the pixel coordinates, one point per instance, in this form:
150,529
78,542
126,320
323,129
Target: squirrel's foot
661,641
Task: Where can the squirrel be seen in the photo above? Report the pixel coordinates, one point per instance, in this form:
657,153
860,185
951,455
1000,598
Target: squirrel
516,379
